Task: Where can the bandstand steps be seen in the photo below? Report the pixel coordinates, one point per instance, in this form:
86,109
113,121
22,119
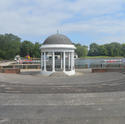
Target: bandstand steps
59,74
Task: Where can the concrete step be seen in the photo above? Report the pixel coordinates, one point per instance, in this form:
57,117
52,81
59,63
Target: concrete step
59,74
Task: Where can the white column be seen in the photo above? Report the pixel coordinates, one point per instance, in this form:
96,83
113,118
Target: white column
61,61
64,61
44,61
69,60
53,68
41,60
72,61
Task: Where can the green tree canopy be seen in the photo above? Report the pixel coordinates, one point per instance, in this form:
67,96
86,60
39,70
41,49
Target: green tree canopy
9,46
123,50
94,50
36,50
27,48
81,50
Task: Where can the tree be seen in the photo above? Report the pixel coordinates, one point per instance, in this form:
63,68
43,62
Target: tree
94,50
114,49
102,50
26,48
9,46
81,51
36,50
123,50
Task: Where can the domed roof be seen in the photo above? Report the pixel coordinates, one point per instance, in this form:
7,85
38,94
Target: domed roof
57,39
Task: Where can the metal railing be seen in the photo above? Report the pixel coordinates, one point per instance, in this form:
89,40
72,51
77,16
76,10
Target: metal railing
38,66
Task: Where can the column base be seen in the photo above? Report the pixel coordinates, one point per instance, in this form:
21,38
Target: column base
46,73
70,73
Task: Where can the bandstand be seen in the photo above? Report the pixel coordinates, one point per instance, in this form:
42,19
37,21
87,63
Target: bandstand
57,55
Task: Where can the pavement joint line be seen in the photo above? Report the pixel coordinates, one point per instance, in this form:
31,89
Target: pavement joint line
116,94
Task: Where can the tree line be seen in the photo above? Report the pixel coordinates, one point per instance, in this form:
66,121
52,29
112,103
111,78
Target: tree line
112,49
11,45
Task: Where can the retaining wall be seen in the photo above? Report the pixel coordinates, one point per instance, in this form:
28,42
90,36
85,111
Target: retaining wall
11,71
107,70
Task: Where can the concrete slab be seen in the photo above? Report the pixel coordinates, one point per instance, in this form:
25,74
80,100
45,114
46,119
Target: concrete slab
86,78
18,106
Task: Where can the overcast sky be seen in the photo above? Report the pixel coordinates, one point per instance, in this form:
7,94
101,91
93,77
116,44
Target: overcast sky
83,21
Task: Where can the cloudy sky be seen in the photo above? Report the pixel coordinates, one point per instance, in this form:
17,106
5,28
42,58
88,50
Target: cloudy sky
83,21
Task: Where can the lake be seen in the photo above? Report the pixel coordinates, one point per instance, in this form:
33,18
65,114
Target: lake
99,62
84,63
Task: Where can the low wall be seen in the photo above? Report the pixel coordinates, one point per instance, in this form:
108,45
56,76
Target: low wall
11,71
107,70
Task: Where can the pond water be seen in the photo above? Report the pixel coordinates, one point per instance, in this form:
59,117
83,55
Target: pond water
83,63
102,62
88,61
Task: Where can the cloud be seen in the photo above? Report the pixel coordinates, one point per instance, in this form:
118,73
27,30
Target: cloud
102,18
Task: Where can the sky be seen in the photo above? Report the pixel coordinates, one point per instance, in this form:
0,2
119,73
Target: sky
83,21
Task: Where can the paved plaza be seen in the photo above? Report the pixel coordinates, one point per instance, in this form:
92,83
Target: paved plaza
87,98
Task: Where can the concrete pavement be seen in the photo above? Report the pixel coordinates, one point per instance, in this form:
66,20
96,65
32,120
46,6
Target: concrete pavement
102,108
18,106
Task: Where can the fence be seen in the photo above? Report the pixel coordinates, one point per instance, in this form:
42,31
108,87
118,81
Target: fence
98,66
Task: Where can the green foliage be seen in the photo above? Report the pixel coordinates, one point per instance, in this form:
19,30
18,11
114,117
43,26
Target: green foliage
112,49
81,51
102,50
11,45
94,50
36,50
123,50
26,48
